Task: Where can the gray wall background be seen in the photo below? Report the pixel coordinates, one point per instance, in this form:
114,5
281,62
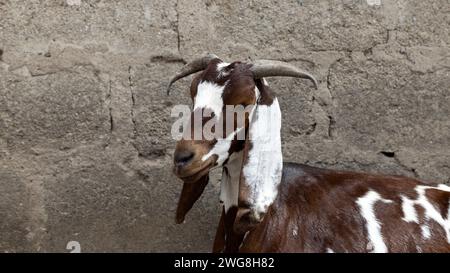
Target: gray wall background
85,149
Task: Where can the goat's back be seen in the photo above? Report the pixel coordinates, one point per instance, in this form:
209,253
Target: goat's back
320,210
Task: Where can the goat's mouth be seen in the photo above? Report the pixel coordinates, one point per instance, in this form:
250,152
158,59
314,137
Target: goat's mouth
191,176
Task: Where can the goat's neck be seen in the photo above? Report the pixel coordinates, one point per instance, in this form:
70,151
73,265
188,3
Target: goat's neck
263,170
229,187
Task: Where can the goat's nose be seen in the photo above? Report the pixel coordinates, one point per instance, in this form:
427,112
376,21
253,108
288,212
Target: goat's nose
183,157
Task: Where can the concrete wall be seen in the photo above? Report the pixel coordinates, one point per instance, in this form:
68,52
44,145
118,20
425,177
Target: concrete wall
85,149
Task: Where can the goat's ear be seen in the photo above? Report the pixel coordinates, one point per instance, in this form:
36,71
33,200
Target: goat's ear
262,163
189,194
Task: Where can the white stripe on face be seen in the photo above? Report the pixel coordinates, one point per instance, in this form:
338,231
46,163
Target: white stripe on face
265,161
209,95
221,148
366,205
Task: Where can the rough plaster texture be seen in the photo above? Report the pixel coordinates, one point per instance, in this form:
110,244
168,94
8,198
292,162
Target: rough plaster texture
85,149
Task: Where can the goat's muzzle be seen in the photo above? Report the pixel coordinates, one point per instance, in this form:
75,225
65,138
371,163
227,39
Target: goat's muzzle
189,166
183,158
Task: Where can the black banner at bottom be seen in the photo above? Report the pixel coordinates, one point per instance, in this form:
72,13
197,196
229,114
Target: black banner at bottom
197,262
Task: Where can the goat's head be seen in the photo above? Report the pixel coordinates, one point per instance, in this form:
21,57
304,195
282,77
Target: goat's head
251,128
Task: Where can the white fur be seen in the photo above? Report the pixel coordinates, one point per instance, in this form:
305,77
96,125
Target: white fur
329,250
243,239
426,233
409,212
419,249
295,232
221,148
220,67
257,94
263,171
229,187
366,204
264,168
209,95
431,213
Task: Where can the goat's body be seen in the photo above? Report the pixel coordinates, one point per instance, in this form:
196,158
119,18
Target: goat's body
294,208
319,210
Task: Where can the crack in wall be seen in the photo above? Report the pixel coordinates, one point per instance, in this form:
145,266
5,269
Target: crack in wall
178,27
329,74
347,53
111,119
387,39
311,129
133,100
37,214
168,59
389,36
331,126
331,119
406,168
297,59
55,69
343,50
391,154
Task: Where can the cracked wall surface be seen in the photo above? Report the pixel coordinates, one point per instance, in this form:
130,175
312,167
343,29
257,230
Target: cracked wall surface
85,146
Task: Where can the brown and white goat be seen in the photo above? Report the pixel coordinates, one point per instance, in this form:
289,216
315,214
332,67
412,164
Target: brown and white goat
269,206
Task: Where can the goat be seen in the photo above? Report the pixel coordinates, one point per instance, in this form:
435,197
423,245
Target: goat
269,206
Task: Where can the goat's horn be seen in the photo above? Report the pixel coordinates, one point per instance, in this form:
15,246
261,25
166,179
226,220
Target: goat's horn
270,68
190,68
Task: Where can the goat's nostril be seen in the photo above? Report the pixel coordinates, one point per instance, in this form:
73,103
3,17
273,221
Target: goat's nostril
183,157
